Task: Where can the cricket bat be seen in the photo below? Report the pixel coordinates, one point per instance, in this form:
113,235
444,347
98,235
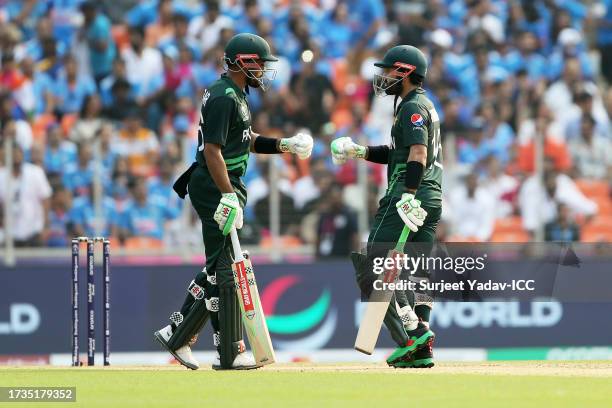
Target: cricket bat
378,303
250,305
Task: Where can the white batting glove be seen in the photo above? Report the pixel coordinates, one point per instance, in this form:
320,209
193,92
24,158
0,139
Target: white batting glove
300,144
344,148
228,213
410,211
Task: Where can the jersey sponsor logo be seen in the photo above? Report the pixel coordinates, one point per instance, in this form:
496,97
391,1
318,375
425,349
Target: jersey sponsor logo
417,119
246,135
244,112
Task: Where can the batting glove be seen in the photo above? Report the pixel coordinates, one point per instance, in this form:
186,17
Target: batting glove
344,148
228,213
300,144
410,211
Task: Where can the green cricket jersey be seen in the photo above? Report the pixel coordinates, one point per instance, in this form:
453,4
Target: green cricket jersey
417,122
225,119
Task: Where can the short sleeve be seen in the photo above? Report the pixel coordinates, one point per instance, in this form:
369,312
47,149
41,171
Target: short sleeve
217,115
43,187
414,121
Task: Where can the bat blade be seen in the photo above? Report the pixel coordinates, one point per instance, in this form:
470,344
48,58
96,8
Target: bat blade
253,318
376,308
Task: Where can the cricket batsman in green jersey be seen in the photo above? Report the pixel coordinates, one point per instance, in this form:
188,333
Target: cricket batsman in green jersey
413,197
217,193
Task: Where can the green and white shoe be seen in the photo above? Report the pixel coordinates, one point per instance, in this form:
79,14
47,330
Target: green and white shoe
422,358
417,340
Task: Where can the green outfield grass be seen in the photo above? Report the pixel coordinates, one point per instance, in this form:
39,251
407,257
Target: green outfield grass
500,384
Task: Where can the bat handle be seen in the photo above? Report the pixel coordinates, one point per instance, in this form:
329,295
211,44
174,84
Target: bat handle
402,240
236,245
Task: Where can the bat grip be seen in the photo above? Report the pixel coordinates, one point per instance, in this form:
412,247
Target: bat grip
402,239
236,245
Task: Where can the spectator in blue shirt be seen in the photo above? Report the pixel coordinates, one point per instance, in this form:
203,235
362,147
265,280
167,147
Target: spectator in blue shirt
60,154
180,39
160,187
142,14
33,48
569,46
72,88
499,134
42,86
60,224
475,147
82,217
563,228
78,177
64,13
145,216
97,33
365,19
337,33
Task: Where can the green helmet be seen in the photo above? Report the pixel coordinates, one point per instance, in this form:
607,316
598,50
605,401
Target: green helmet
248,46
405,60
250,53
405,55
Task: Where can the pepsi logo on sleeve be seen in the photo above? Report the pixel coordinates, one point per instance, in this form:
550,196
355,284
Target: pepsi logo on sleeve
417,119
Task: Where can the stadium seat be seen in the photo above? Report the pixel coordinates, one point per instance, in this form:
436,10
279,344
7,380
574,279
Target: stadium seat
593,188
143,243
285,241
461,239
511,236
596,235
508,224
604,205
598,229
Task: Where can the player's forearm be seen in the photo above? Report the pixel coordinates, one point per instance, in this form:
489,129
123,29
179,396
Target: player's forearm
300,144
217,169
265,145
377,154
415,167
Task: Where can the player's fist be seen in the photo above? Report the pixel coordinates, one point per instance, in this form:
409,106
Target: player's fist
300,144
229,213
410,211
344,148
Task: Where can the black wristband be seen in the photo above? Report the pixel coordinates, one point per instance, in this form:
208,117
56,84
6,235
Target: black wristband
414,174
266,145
378,154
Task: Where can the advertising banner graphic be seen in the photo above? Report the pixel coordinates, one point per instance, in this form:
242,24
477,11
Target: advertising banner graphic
308,307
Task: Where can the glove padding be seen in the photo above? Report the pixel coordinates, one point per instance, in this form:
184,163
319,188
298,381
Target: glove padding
228,213
344,148
410,211
300,144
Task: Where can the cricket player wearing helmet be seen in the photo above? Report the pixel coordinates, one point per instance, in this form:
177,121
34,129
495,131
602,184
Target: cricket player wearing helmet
217,193
413,197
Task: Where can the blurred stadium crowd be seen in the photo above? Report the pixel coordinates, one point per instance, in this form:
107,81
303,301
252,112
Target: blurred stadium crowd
122,81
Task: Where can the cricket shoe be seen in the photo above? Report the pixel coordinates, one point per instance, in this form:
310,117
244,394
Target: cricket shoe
243,361
183,354
417,339
422,358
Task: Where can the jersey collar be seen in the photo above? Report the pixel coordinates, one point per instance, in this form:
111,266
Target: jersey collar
409,96
231,83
